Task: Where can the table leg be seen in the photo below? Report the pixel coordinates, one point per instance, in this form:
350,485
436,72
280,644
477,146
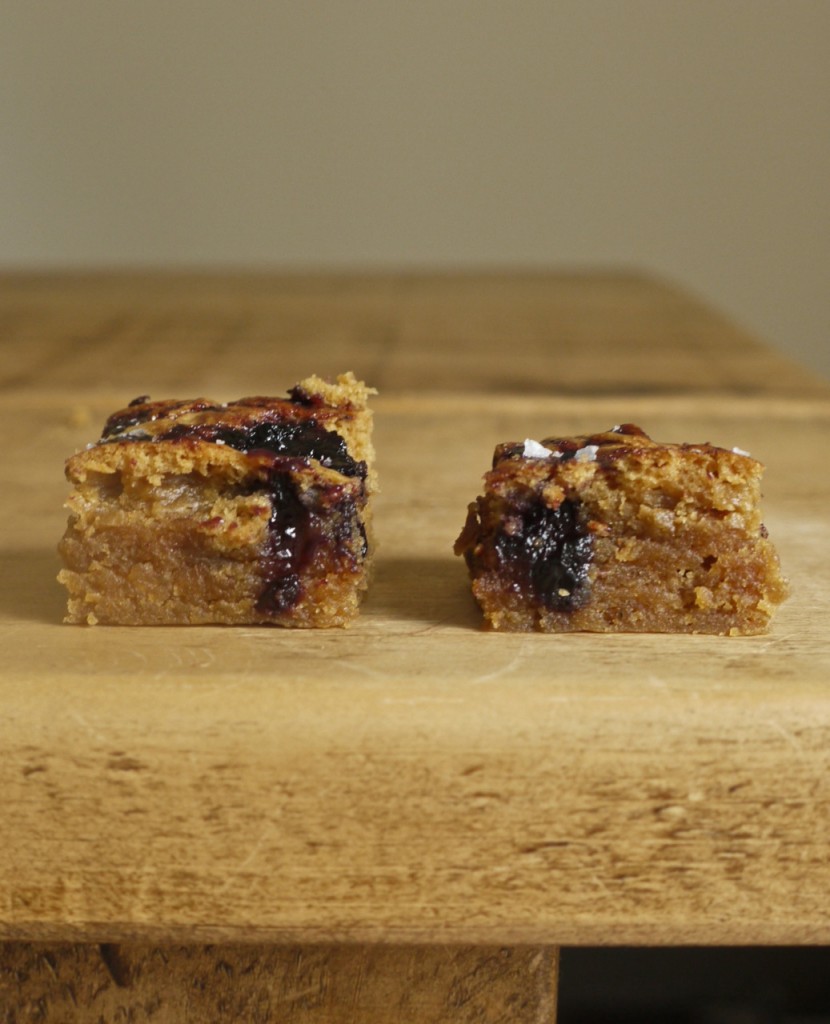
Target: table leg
265,984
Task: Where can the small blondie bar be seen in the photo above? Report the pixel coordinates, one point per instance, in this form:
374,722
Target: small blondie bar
614,532
253,511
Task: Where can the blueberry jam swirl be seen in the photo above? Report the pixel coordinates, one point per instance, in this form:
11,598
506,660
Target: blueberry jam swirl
323,523
304,440
295,537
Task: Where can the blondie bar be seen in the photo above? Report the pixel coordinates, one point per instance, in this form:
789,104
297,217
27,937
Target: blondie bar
253,511
616,532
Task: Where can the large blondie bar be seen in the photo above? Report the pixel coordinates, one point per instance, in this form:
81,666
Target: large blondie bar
254,511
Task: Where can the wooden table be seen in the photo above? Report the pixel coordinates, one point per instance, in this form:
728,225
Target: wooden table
402,821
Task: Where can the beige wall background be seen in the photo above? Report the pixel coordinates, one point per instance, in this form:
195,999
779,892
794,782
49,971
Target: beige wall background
689,138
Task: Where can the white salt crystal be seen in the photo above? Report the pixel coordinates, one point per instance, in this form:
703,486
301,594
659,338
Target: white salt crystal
587,454
534,450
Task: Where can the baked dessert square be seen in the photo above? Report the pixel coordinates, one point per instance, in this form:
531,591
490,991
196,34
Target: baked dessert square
615,532
253,511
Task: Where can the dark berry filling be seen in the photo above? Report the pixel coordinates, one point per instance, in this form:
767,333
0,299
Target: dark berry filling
306,440
299,396
296,535
548,551
287,549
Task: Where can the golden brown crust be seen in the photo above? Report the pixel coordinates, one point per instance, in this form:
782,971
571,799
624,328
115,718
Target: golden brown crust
340,406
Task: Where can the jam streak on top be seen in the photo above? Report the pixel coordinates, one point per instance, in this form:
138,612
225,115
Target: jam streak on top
602,447
305,440
142,410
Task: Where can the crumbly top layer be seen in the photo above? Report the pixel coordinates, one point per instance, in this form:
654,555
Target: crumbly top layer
324,422
627,461
608,447
312,399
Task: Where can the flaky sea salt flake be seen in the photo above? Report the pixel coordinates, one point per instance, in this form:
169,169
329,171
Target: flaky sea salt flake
534,450
587,454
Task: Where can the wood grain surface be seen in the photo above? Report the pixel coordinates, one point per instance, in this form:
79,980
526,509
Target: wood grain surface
411,779
87,984
584,334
